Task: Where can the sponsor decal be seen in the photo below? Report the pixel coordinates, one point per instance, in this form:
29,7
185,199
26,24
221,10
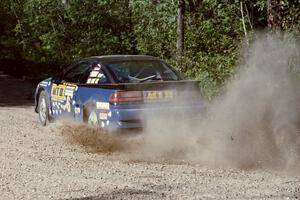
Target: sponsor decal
103,116
68,105
98,67
69,91
44,83
58,92
95,75
102,105
77,110
92,80
61,96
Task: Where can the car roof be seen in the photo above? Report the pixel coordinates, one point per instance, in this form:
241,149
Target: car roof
108,58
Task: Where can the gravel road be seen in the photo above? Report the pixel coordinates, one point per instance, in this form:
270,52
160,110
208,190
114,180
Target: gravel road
38,163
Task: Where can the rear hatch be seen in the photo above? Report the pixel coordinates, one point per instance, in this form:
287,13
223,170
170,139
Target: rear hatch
133,105
164,92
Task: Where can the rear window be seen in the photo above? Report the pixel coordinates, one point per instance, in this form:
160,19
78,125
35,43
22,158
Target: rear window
141,71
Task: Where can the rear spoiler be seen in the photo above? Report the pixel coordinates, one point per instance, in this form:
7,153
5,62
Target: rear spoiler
179,85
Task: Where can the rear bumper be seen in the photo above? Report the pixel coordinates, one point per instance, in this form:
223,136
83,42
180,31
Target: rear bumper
139,117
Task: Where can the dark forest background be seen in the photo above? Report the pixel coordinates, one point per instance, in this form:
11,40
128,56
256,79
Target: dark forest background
201,38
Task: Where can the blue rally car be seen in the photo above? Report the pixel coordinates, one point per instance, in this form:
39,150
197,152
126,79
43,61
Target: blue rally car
115,91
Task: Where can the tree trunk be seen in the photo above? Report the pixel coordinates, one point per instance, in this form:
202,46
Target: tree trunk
180,31
243,23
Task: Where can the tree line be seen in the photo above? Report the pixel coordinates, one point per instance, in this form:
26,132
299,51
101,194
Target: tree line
201,38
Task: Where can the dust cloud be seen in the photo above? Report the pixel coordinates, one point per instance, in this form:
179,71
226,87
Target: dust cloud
253,123
93,139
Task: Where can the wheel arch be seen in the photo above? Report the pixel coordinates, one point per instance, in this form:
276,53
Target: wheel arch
37,96
87,108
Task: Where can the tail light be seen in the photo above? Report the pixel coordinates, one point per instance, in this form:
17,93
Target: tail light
126,97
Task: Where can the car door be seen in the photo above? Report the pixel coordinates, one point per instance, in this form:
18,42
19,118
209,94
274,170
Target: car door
63,93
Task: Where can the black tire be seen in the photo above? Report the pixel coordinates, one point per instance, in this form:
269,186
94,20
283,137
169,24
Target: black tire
43,109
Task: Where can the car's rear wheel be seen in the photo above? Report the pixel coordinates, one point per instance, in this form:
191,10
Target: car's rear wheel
43,109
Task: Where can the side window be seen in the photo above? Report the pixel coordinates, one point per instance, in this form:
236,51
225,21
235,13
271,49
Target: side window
96,75
75,74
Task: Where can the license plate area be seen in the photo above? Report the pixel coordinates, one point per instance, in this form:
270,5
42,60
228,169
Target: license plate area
160,95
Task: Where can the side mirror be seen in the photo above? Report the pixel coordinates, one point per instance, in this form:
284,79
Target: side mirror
56,80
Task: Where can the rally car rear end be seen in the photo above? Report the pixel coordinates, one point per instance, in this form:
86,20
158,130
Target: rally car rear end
136,104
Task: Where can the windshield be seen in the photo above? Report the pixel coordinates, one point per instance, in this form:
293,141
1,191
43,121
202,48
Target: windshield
131,71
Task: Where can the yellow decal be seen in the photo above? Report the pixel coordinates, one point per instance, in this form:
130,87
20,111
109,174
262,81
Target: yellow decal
58,92
70,84
68,104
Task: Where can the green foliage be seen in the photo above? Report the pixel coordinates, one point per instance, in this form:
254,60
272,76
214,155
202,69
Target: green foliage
291,18
52,33
212,45
155,27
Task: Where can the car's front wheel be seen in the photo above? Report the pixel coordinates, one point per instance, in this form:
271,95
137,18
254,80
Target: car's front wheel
43,108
